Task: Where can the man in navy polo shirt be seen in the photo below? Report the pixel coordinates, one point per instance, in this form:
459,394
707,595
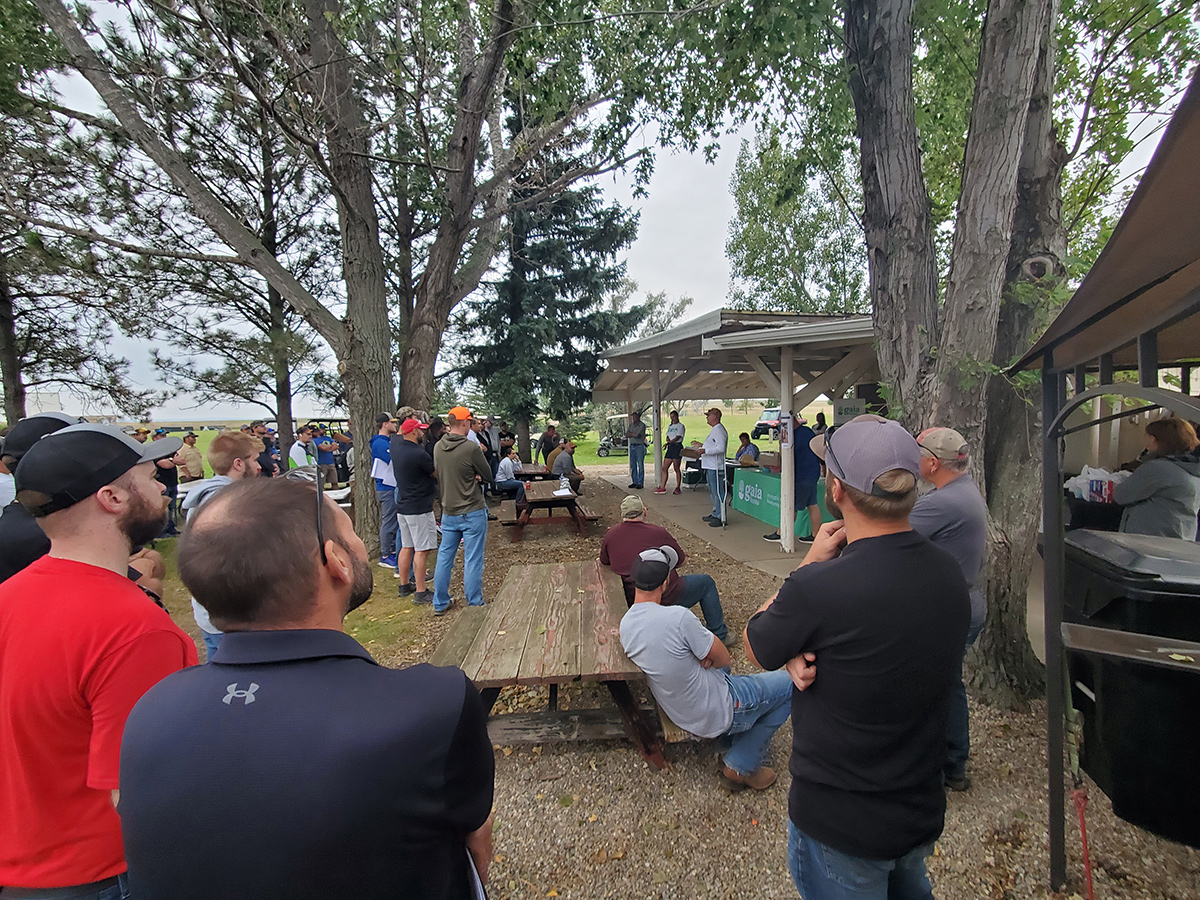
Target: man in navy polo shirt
294,766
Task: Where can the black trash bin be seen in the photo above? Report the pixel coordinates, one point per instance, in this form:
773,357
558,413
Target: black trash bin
1141,723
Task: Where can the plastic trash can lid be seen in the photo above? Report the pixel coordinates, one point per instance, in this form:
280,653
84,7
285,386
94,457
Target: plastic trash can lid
1174,561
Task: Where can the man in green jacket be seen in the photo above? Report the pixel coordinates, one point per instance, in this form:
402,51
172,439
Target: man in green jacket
462,471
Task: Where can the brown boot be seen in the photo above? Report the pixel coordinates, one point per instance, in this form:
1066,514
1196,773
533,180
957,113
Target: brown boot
760,779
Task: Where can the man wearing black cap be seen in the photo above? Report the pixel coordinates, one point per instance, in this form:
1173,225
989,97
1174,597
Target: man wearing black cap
21,540
267,467
884,614
79,645
168,476
688,670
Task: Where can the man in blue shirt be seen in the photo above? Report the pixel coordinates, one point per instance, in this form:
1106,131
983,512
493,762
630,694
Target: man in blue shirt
385,488
294,766
325,463
807,474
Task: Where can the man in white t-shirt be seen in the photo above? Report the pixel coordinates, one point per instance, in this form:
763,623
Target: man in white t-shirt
688,670
301,453
712,461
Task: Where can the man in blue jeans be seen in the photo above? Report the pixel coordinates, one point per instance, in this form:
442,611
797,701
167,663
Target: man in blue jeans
884,615
688,671
619,551
636,435
954,517
462,470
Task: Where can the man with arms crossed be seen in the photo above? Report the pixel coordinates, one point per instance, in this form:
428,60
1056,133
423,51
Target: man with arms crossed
416,488
885,614
295,767
79,644
954,517
385,488
688,671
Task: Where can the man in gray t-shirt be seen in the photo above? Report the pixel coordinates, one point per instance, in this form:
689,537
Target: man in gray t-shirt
688,670
954,516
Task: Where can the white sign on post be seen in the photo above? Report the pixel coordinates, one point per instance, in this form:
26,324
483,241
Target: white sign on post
785,431
845,410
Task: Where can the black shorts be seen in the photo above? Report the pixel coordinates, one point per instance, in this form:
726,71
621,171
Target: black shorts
674,449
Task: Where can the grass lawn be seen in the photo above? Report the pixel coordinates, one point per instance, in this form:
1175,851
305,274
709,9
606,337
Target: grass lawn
697,430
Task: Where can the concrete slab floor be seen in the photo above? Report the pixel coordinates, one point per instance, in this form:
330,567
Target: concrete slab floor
741,538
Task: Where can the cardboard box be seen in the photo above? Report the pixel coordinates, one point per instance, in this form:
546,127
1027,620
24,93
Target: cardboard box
769,459
691,453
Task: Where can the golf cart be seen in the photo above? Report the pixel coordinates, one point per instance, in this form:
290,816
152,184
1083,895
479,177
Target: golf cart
612,439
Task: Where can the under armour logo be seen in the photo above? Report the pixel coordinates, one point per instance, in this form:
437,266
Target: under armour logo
247,696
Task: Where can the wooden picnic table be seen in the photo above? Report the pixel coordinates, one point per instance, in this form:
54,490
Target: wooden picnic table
541,495
552,624
533,472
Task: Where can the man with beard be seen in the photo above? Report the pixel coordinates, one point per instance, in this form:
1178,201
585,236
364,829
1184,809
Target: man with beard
295,760
79,645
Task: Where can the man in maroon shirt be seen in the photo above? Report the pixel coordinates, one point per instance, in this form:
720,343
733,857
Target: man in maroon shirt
623,543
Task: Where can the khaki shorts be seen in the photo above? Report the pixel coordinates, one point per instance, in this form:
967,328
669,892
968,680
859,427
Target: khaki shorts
418,532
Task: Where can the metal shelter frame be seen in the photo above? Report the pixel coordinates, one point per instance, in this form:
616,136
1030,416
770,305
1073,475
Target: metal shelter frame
730,354
1138,302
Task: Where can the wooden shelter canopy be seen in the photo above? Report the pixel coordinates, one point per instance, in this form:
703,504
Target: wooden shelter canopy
732,355
1147,278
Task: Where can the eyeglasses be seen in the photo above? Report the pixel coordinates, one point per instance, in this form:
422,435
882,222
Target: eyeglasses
311,473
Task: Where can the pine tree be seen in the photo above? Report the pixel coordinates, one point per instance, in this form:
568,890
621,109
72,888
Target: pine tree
540,330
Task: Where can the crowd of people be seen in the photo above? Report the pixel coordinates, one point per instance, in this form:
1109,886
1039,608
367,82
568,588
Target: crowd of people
292,765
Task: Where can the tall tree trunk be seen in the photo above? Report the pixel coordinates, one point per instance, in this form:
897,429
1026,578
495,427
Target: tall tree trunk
365,367
523,446
10,357
1008,57
1003,668
902,264
277,337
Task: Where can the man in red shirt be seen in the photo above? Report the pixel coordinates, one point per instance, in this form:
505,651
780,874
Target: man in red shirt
79,645
626,540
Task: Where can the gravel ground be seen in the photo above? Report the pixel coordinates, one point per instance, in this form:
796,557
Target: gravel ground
592,820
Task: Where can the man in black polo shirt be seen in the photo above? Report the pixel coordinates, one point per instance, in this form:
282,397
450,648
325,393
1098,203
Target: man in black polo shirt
884,613
294,766
416,486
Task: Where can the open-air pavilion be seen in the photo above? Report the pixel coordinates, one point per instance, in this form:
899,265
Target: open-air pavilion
1139,306
733,355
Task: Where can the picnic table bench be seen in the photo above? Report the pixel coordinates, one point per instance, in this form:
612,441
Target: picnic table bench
541,495
552,624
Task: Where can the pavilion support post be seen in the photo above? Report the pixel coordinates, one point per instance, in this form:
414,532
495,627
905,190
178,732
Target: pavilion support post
1106,369
656,419
787,459
1185,379
1052,536
1079,379
1147,346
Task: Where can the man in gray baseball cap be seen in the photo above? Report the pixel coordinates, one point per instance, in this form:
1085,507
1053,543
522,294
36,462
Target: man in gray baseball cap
884,613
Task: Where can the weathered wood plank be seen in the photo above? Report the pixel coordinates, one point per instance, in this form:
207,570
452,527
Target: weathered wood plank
552,653
637,724
509,627
672,733
586,513
507,514
495,654
600,651
453,648
566,725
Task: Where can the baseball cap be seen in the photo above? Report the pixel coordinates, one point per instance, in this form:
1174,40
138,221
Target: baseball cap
943,443
29,431
652,567
408,426
865,448
70,465
713,409
632,507
161,431
459,414
384,417
191,434
257,422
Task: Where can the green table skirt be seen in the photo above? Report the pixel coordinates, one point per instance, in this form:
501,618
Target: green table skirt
756,493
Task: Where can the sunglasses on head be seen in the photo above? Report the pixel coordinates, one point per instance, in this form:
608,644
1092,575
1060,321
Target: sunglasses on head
310,473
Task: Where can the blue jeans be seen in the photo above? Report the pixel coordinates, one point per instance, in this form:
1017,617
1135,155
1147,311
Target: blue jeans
511,485
822,873
703,590
470,530
387,522
958,725
637,464
118,891
761,703
212,643
716,491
